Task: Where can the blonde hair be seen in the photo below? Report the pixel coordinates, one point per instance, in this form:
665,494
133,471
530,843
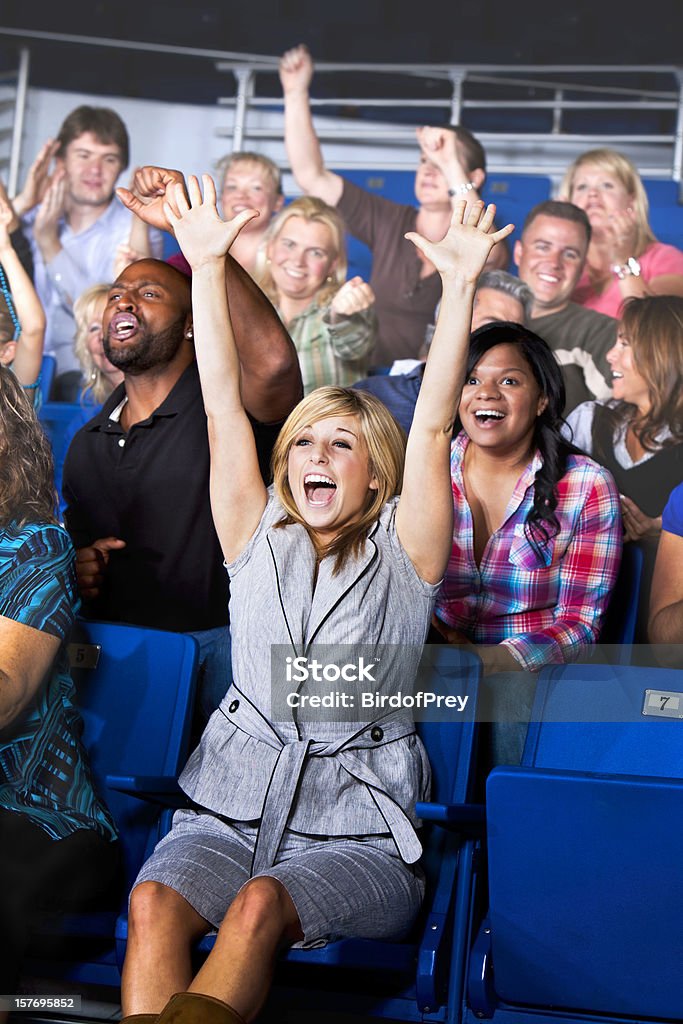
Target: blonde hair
270,169
313,211
383,440
626,173
84,310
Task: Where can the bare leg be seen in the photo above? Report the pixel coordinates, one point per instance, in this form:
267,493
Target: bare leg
261,919
162,927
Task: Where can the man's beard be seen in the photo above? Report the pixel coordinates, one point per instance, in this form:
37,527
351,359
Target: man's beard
148,351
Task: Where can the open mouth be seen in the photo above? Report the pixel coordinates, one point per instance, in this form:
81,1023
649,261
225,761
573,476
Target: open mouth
484,416
123,326
617,376
320,489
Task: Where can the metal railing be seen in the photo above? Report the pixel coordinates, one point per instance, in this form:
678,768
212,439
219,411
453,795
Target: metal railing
465,92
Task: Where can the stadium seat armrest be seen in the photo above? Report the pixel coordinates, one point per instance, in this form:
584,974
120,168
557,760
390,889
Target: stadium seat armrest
157,789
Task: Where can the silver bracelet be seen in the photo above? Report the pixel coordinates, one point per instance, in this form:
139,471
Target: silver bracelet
462,190
629,269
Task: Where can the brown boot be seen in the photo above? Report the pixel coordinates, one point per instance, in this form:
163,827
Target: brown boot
194,1008
140,1018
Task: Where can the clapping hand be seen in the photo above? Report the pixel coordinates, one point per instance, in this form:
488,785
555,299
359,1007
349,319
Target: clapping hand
38,179
467,244
51,211
621,233
202,234
6,218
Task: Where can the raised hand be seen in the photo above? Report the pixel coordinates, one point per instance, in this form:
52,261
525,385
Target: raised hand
621,234
147,196
6,218
37,179
353,297
202,234
438,146
296,69
467,244
50,212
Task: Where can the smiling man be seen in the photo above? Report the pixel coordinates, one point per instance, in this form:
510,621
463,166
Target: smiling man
136,477
550,257
75,223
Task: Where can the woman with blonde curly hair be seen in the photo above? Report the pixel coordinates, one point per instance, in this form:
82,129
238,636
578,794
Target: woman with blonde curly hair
302,269
624,260
100,376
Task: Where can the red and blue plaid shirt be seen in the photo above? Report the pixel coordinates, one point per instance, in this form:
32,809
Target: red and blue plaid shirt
545,607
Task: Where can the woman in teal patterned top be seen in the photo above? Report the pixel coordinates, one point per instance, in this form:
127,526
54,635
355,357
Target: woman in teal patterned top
58,846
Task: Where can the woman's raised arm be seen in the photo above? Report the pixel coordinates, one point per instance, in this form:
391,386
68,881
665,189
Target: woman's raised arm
424,520
238,495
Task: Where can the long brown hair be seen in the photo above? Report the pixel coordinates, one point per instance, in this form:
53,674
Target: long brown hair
383,439
27,491
653,327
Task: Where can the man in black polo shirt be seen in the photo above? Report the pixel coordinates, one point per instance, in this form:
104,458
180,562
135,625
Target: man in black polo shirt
136,477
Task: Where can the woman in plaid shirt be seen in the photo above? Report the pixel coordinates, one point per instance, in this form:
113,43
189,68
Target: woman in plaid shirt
302,270
537,533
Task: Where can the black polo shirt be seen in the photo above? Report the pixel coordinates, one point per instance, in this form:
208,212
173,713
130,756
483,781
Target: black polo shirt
150,487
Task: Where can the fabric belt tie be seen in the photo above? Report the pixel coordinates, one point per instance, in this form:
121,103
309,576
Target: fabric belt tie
286,775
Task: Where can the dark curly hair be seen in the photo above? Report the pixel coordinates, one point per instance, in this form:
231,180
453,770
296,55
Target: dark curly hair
27,490
541,523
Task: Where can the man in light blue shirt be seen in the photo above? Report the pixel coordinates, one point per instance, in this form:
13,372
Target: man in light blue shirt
75,224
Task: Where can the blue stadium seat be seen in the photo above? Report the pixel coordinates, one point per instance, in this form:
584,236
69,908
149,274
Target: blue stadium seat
584,852
662,192
619,627
135,691
667,223
514,195
47,375
424,974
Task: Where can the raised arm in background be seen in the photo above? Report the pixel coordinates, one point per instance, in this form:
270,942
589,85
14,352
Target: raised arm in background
28,354
424,520
238,494
303,147
270,375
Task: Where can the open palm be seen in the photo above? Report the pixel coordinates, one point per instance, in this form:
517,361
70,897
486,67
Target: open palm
464,250
201,232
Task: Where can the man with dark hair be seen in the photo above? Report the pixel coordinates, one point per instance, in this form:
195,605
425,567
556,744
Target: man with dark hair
75,223
452,167
550,257
136,477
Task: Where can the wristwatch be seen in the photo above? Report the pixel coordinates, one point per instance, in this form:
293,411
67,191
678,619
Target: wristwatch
629,269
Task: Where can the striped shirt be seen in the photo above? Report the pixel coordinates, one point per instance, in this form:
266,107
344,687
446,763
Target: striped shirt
43,766
545,607
332,353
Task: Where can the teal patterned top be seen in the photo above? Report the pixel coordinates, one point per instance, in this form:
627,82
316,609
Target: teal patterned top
43,767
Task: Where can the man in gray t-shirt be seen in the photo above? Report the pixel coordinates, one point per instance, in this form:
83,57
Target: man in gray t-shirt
550,257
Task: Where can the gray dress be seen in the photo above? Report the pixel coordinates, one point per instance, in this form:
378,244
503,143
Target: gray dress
322,802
